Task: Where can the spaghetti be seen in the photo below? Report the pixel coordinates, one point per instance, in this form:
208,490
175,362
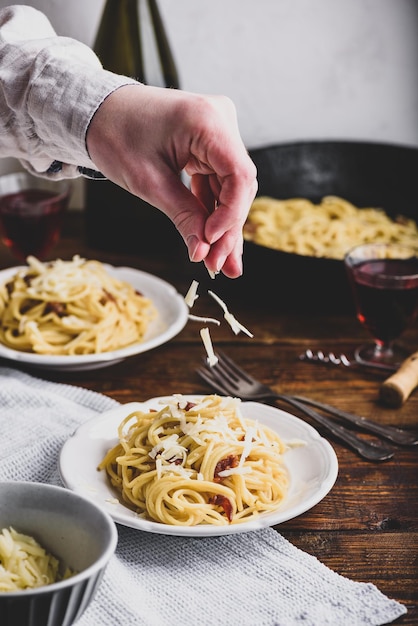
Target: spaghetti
71,308
197,462
328,229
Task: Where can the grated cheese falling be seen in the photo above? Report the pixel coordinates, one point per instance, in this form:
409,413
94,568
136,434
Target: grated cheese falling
190,298
191,295
204,320
207,342
232,321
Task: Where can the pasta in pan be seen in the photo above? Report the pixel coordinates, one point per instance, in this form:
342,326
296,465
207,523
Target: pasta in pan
328,229
71,308
197,462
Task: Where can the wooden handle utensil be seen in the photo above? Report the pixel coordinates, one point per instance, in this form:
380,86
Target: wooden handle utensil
397,388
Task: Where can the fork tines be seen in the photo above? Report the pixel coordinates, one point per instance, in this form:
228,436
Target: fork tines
206,374
228,378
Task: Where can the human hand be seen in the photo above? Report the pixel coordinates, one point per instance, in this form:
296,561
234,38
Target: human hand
143,137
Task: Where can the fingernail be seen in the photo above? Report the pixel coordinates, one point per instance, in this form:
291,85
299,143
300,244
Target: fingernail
220,263
192,245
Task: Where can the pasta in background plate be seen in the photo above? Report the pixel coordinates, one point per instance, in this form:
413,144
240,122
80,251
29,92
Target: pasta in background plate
197,463
328,229
71,308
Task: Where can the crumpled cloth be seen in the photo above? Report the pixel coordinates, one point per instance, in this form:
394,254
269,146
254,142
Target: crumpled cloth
250,579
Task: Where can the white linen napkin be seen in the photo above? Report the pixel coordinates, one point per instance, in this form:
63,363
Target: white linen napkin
250,579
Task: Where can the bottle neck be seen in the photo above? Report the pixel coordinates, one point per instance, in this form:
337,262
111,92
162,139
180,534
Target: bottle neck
132,40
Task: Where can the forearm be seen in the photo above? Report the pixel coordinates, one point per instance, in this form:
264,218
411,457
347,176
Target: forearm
50,88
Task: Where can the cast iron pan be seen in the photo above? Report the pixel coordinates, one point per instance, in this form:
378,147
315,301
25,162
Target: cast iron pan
367,174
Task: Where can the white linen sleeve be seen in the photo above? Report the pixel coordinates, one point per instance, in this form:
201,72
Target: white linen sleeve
50,88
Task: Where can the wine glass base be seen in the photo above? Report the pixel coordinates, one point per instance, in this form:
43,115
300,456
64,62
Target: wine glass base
388,361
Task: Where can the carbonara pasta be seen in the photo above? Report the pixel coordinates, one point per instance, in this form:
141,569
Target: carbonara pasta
328,229
197,462
71,308
24,564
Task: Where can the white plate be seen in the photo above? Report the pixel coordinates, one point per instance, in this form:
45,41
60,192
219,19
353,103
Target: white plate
312,468
172,317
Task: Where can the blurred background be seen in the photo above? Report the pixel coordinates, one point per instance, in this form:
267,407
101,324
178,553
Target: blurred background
296,69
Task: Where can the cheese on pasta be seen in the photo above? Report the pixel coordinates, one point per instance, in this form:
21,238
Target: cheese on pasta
71,307
328,229
197,462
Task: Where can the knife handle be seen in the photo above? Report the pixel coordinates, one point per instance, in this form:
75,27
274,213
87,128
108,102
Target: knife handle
396,389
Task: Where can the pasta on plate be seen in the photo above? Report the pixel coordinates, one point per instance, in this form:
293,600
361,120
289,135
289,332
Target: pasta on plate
197,462
328,229
71,308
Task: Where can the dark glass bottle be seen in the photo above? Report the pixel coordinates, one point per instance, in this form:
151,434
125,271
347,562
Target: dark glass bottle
115,220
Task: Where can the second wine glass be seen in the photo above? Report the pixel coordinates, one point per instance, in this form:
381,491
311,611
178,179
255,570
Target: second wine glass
384,282
31,213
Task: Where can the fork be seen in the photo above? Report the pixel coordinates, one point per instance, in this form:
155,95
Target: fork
253,389
229,379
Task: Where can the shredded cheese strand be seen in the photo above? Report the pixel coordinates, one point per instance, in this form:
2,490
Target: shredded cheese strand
232,321
207,343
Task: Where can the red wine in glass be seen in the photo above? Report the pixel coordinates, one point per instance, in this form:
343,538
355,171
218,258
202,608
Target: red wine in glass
31,219
385,291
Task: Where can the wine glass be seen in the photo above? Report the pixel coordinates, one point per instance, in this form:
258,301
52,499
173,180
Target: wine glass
31,213
384,282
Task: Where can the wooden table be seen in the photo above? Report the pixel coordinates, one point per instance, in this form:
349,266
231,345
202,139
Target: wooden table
366,527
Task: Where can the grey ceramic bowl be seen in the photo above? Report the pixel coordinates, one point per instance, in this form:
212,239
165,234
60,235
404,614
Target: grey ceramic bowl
76,531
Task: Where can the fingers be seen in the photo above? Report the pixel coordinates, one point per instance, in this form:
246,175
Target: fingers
142,138
210,226
190,213
185,209
226,255
201,188
224,226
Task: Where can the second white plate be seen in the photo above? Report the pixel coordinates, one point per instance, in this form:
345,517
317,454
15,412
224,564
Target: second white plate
172,317
312,467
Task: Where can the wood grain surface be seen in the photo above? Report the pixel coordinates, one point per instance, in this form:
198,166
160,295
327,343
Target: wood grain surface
366,528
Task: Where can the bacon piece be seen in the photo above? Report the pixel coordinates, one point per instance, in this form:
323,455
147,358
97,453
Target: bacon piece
188,407
224,503
107,297
175,460
224,464
55,307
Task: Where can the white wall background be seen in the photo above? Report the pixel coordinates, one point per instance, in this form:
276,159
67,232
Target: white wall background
296,69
